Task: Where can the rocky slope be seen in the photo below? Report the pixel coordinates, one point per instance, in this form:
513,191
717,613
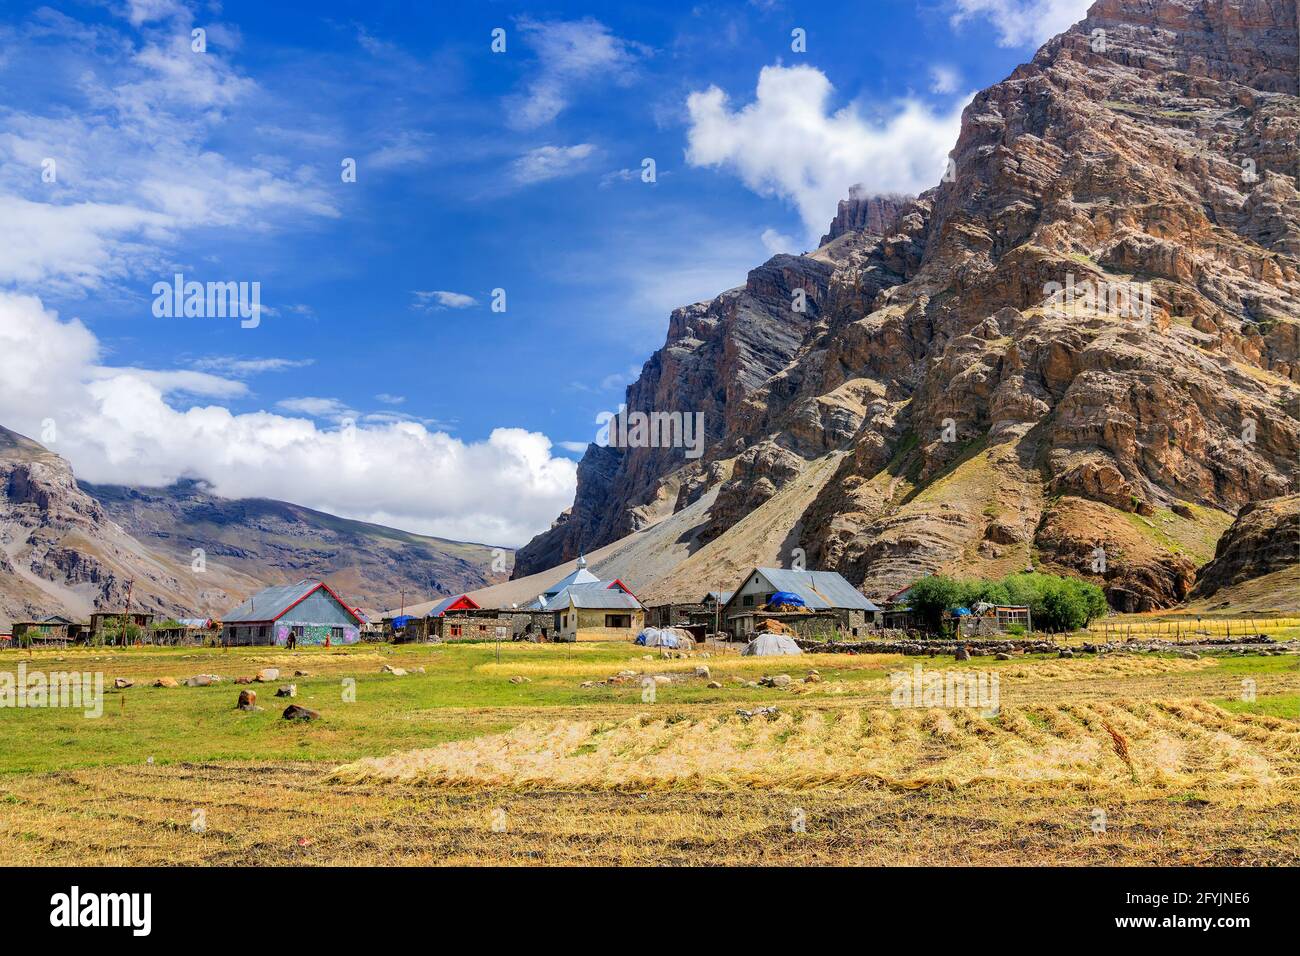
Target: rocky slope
985,413
1263,540
69,549
60,553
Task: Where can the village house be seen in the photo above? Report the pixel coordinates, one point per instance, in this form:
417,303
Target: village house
834,606
308,612
408,628
52,630
597,611
579,575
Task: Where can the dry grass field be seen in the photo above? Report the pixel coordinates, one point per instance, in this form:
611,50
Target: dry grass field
1141,759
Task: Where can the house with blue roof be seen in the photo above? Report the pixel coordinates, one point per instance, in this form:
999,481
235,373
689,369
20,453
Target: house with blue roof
308,612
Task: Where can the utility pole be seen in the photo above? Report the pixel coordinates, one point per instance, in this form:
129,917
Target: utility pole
130,588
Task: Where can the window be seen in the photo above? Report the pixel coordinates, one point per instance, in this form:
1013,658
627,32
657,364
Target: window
618,620
747,600
261,632
336,634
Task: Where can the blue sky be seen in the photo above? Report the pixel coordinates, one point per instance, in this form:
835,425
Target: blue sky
379,383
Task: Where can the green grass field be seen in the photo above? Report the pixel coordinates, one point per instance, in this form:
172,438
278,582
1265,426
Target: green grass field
121,788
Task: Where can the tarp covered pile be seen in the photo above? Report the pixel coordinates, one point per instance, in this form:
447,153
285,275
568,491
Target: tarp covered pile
673,638
770,645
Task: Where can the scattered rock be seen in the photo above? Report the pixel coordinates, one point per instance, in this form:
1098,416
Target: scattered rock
962,653
295,712
1003,656
390,669
662,679
121,683
702,670
769,712
202,680
166,682
267,674
813,677
247,700
1066,652
518,679
713,685
243,680
776,680
301,674
287,690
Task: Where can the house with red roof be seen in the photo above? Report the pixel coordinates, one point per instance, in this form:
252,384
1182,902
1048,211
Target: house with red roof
308,612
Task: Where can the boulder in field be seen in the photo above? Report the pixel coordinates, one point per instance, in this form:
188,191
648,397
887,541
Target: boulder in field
287,690
267,674
295,712
166,682
247,700
121,683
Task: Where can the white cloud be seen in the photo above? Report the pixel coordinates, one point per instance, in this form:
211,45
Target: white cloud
115,426
550,162
574,446
1023,22
133,162
570,54
775,242
388,399
786,143
317,407
176,382
242,367
442,299
944,80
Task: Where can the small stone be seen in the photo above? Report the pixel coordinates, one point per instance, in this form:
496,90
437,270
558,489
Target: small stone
295,712
962,654
166,682
1066,653
776,680
390,669
518,679
301,674
662,679
702,670
713,685
813,678
1002,656
202,680
267,674
121,683
287,690
247,700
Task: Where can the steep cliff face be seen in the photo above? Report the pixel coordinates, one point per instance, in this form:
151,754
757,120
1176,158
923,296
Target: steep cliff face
1081,353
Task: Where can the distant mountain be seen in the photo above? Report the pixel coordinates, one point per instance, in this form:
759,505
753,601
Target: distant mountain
68,548
276,542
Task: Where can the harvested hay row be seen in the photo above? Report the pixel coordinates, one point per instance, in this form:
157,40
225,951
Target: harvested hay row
1112,665
1080,746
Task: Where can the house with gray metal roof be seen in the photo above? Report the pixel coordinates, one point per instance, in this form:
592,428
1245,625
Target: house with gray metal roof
308,612
597,611
836,606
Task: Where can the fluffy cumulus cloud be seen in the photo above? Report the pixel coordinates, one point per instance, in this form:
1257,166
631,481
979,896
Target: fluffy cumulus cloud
124,425
789,143
1023,22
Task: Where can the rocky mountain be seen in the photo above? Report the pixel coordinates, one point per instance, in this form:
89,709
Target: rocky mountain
1079,352
67,548
60,553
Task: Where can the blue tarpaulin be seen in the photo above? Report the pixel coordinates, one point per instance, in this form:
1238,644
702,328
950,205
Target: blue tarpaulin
786,597
401,622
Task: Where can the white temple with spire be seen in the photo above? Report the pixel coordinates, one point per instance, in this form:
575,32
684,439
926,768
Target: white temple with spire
555,593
